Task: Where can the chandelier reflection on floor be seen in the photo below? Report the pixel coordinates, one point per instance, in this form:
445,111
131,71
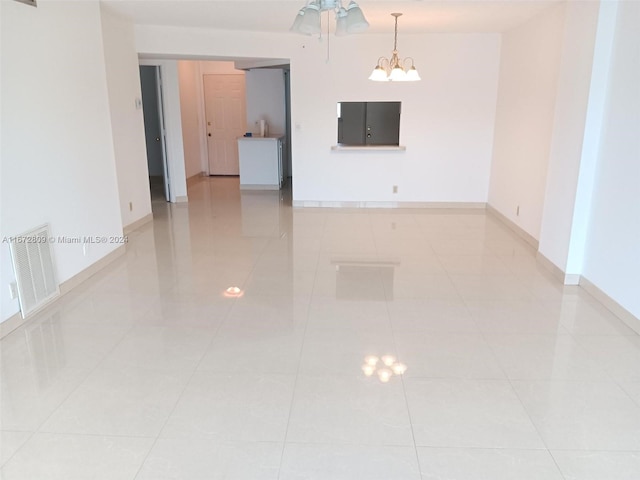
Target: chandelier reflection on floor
384,367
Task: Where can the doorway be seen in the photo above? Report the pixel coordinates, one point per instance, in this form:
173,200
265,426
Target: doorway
287,112
225,110
150,80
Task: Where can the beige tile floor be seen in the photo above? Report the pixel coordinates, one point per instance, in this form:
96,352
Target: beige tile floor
148,371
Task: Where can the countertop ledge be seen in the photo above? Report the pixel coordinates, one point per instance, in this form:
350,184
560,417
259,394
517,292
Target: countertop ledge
269,137
372,148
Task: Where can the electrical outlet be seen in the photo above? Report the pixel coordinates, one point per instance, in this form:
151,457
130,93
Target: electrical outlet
131,206
13,290
395,189
518,211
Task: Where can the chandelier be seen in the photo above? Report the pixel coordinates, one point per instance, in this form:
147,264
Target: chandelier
393,70
348,20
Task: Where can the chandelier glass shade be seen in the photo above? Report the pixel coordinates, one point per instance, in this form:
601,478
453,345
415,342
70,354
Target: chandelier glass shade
349,19
395,69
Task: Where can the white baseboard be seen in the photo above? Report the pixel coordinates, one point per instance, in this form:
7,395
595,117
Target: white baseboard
618,310
10,324
369,204
193,179
137,224
91,270
527,237
182,199
248,186
564,278
572,278
16,320
550,266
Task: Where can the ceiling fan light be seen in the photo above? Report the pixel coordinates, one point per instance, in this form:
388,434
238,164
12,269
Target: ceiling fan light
310,24
341,22
297,22
349,19
328,4
356,22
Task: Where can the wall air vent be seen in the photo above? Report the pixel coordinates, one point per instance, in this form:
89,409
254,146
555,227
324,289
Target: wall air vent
33,264
33,3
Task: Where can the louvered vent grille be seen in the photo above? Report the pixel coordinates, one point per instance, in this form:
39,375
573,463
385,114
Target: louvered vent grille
35,274
33,3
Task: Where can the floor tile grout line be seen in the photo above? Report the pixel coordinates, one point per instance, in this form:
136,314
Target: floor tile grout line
402,382
31,435
85,378
482,334
621,386
547,449
301,352
64,400
178,398
184,389
96,435
415,443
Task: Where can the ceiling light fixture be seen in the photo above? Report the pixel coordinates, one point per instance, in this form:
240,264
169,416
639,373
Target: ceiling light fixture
393,70
348,20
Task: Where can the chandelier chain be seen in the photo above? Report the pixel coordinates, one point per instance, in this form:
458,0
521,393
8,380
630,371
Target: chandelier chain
395,36
394,68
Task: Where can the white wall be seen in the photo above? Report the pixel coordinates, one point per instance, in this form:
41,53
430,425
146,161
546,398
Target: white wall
265,100
127,122
219,68
524,118
568,134
189,76
594,123
447,122
612,259
57,153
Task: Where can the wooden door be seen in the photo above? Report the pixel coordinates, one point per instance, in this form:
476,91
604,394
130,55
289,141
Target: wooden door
226,121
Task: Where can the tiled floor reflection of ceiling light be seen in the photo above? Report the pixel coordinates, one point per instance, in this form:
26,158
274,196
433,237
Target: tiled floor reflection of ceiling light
384,367
388,360
233,292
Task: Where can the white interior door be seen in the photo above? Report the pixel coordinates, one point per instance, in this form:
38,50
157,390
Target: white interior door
163,137
226,113
154,128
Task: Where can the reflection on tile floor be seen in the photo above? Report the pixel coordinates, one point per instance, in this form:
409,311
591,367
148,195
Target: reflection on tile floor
229,343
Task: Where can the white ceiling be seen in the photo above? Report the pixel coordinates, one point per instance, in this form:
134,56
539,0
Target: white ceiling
277,16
